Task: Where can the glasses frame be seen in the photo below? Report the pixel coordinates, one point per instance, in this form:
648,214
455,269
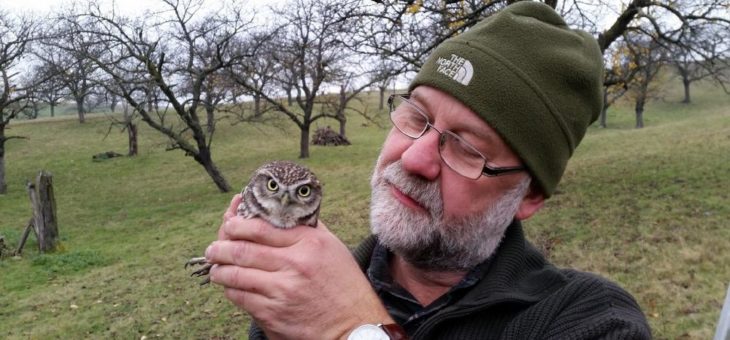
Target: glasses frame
487,170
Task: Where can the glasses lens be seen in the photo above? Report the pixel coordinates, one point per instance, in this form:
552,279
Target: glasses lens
407,118
460,155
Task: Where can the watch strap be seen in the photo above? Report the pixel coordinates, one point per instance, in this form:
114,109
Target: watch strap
394,331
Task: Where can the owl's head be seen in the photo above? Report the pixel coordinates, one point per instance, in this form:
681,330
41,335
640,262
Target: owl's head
288,192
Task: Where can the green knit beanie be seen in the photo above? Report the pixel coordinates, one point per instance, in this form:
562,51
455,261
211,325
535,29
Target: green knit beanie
535,81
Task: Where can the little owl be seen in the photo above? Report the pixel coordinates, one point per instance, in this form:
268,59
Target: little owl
283,193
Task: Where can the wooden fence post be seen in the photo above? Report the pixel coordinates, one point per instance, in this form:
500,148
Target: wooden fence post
43,222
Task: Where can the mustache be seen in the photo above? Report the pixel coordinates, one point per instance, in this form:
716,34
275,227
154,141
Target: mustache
426,193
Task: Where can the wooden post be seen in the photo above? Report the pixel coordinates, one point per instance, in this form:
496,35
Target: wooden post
44,211
3,248
24,238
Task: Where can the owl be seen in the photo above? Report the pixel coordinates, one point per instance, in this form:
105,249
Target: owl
283,193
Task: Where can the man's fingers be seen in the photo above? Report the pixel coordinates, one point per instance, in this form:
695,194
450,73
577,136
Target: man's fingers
231,212
232,207
244,254
246,300
241,278
259,231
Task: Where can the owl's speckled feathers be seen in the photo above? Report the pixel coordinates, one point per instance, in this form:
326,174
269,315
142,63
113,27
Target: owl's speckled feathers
283,193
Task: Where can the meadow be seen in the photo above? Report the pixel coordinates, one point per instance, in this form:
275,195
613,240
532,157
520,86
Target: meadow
647,208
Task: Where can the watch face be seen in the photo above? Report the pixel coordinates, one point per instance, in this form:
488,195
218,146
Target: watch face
368,332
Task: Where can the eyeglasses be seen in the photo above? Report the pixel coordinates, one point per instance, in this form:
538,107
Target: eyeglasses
457,153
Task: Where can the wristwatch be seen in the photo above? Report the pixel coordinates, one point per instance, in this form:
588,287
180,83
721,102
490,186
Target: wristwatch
378,332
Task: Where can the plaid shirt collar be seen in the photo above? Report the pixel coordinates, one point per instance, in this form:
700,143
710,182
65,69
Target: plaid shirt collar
401,305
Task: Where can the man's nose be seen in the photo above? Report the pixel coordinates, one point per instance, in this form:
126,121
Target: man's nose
422,158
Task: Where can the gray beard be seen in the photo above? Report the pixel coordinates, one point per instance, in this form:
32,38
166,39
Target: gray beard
431,242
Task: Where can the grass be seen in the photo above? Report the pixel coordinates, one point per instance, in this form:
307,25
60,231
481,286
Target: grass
646,208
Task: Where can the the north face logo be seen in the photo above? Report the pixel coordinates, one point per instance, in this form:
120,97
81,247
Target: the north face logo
456,68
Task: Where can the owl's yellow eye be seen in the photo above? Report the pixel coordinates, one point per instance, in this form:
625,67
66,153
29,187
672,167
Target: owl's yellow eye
304,191
272,185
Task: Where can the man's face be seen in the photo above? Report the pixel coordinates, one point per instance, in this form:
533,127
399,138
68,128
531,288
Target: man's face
423,210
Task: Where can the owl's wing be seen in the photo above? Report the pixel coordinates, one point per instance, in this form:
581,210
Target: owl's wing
249,207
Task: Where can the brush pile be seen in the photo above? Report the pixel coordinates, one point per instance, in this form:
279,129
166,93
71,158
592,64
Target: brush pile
328,137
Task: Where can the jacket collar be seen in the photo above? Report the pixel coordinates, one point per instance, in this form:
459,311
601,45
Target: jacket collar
518,272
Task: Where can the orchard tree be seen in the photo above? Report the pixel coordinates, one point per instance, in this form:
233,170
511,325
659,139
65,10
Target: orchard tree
260,72
648,57
15,35
147,59
49,89
406,31
703,54
311,52
67,54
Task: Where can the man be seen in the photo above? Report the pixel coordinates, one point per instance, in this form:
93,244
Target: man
479,142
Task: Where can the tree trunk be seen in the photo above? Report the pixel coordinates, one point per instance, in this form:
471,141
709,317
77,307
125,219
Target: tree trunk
257,106
602,117
80,109
341,110
304,142
203,157
381,90
3,186
343,122
132,133
640,112
113,104
44,211
210,115
686,83
53,109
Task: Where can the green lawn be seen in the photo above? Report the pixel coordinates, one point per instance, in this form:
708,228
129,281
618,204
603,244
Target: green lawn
647,208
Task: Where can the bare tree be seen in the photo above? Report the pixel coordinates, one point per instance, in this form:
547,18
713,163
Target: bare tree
65,52
147,59
261,72
619,73
406,31
703,54
310,45
356,78
15,35
648,57
383,80
50,91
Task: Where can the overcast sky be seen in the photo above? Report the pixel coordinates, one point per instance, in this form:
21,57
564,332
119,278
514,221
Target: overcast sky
126,6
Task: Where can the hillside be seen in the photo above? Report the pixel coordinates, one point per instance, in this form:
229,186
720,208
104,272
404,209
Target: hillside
647,208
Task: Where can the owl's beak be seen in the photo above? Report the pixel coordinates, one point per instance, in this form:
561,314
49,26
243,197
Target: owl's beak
284,199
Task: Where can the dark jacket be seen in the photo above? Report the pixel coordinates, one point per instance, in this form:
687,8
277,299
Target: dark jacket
522,296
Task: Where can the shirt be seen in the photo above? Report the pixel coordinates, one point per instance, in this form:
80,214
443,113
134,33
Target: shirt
402,305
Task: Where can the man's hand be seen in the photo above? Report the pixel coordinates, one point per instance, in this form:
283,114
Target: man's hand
298,283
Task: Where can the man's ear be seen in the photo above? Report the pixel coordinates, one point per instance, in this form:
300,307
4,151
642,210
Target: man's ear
531,203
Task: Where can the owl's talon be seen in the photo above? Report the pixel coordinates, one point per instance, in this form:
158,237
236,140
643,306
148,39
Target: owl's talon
203,271
195,261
